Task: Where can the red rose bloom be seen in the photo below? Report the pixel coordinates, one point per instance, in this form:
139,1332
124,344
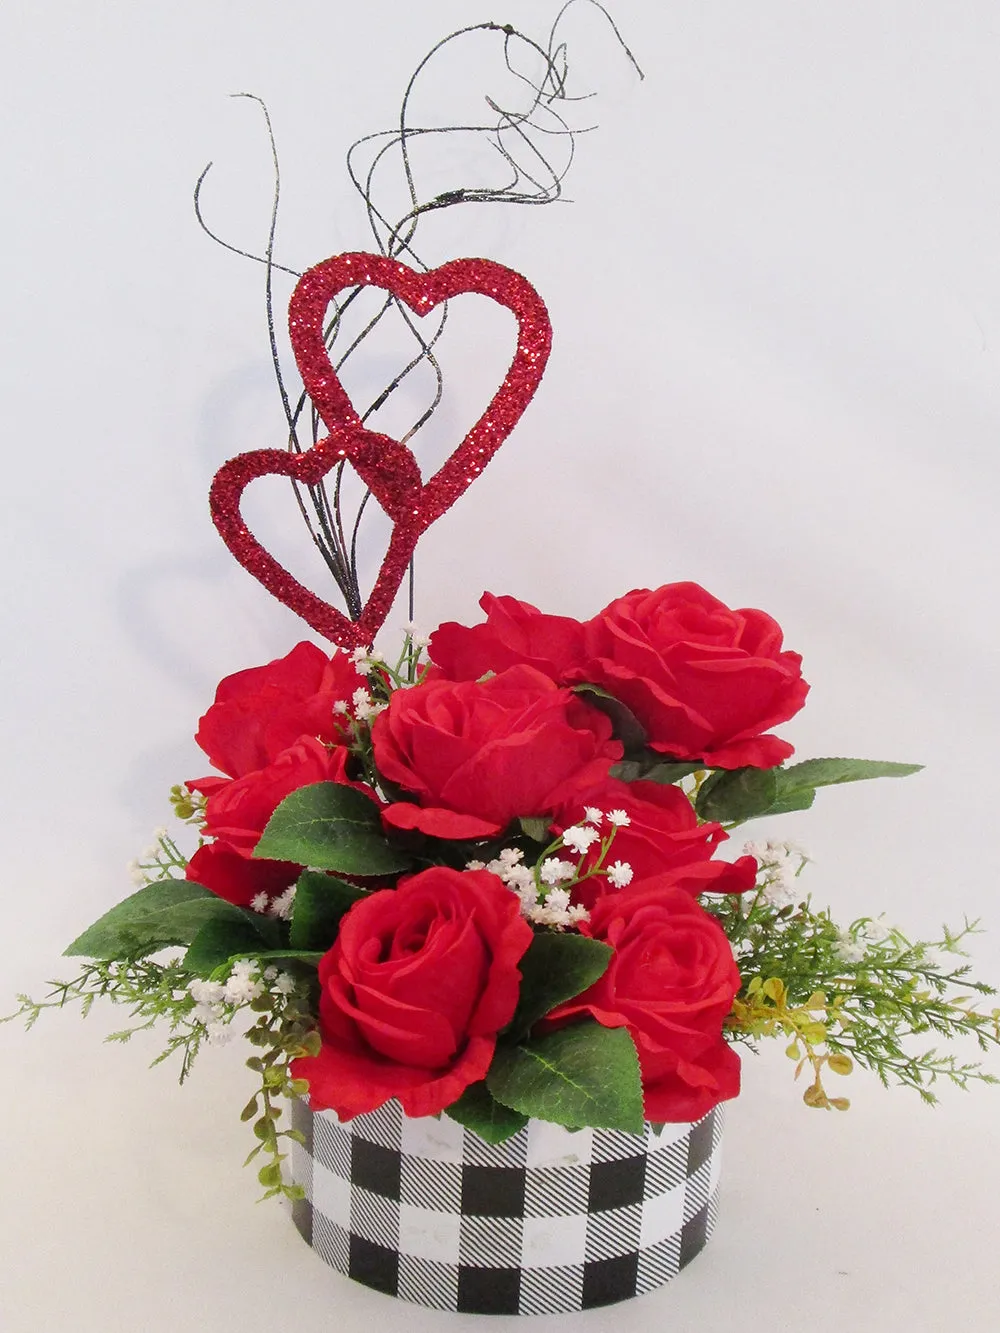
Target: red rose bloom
260,712
663,831
479,754
237,811
704,681
514,632
413,993
671,981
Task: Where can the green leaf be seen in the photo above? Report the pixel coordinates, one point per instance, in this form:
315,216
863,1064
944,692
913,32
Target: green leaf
734,795
309,956
830,772
321,901
579,1075
477,1109
171,911
651,767
796,798
270,1174
555,968
220,940
797,785
626,726
536,828
330,826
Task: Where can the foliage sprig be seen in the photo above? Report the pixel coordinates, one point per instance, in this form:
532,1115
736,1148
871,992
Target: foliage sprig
855,996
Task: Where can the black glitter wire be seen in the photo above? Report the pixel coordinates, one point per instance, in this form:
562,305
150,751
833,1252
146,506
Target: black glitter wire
338,554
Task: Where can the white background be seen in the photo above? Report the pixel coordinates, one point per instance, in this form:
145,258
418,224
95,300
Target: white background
776,370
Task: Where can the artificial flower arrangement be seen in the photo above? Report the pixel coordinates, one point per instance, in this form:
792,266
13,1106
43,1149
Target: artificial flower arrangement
478,892
483,880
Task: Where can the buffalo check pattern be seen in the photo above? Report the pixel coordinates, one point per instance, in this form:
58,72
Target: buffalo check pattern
552,1220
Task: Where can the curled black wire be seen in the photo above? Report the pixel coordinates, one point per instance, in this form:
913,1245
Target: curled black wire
527,139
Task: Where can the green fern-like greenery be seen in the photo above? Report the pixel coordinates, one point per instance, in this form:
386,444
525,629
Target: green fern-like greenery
856,995
158,994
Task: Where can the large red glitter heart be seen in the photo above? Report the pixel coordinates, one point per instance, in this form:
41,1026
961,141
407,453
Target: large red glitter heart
385,466
422,292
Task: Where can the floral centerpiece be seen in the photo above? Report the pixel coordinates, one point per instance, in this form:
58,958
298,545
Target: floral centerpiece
490,879
477,906
485,879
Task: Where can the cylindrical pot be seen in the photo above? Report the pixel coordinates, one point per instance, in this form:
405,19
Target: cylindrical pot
552,1220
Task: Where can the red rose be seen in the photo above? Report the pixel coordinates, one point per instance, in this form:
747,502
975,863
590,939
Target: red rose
704,681
236,877
663,831
671,981
479,754
514,632
414,991
260,712
237,811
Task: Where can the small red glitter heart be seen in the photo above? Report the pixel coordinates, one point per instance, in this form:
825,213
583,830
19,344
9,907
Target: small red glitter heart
385,466
422,292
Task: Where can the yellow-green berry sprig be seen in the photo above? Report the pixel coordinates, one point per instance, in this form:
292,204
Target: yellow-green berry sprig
188,805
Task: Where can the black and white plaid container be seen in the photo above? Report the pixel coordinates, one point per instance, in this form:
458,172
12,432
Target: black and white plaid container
549,1221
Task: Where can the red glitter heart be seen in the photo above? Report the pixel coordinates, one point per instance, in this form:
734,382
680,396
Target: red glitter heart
422,292
385,466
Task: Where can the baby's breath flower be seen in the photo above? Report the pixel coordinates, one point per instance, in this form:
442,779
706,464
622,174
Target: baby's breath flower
780,886
554,871
259,902
579,838
282,905
365,710
619,818
520,878
475,865
620,874
284,984
510,856
218,1033
779,889
847,948
527,894
206,992
340,707
417,638
556,911
241,989
593,815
